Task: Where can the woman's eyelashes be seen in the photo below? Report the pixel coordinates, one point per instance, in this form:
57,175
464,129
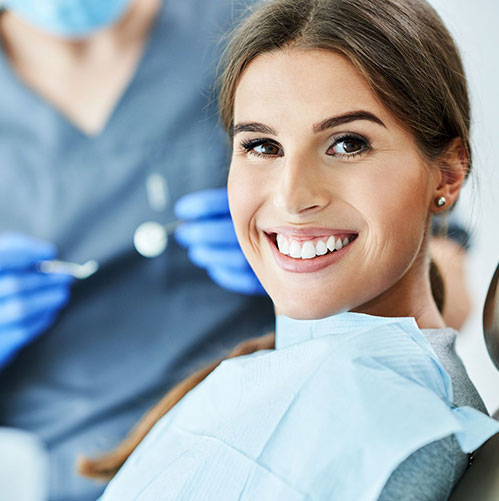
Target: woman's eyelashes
262,147
346,145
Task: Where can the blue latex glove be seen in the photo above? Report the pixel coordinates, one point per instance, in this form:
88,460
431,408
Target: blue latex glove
209,236
29,299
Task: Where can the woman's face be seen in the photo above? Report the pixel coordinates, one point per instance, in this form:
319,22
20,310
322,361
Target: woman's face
328,193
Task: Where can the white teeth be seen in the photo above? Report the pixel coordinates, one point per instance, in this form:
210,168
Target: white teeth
308,250
330,244
295,249
282,245
320,248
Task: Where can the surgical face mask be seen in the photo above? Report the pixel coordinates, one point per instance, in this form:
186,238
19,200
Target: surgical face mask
68,18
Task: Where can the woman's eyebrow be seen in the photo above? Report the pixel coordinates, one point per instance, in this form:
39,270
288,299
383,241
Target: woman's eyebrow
346,118
253,127
325,124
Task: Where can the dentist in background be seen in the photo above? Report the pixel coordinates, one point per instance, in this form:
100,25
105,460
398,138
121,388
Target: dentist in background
108,118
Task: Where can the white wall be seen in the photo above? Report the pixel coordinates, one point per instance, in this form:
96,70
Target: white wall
475,26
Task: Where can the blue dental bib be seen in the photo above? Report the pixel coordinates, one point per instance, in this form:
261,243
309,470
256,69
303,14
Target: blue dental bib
329,414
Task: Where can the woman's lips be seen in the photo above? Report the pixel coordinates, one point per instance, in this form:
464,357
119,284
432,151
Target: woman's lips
309,251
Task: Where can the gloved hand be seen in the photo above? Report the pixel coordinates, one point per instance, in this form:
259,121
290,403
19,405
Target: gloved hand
29,299
209,236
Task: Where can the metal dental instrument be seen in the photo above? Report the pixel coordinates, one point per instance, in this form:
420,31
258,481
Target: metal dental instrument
151,238
491,319
80,271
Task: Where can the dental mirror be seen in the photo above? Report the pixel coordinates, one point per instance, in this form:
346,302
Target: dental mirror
151,238
491,319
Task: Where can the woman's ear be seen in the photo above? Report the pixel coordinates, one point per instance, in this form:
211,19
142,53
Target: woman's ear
452,168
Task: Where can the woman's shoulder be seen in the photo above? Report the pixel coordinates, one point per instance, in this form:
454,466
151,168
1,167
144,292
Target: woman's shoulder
429,474
443,342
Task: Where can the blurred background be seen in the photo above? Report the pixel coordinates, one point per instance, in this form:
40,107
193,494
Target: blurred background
474,26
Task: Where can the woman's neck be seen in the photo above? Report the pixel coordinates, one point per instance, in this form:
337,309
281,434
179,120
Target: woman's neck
409,297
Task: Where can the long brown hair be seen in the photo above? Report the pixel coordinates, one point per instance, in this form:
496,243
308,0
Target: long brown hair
411,63
401,47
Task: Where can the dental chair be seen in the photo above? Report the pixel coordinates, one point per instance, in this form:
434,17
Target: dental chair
481,480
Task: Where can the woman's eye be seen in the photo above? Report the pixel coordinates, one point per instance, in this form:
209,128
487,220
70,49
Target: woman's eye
262,148
348,146
266,149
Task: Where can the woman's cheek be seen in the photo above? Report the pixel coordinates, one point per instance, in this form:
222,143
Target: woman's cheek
242,199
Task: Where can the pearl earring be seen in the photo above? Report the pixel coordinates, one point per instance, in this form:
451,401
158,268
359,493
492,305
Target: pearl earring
441,201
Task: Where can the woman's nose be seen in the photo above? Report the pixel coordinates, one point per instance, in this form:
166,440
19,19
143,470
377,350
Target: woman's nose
300,189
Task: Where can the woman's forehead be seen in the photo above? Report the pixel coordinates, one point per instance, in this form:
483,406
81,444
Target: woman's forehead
306,83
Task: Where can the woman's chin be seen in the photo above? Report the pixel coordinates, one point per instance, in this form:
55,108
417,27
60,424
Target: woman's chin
301,309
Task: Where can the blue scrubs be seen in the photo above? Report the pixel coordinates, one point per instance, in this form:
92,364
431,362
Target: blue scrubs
139,325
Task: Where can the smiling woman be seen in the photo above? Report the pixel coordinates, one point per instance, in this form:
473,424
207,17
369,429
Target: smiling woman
350,129
335,169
